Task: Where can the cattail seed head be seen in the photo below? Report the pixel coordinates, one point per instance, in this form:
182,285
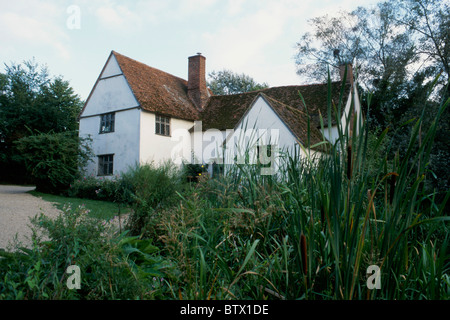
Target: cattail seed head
349,162
322,215
303,253
392,182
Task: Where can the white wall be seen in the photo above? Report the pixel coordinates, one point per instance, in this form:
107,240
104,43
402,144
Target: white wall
123,142
333,134
111,68
206,145
112,94
157,148
260,126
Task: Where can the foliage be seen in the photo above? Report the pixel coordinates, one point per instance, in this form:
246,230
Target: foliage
149,187
112,266
430,22
95,188
312,231
227,82
389,42
99,209
193,171
397,48
54,160
31,103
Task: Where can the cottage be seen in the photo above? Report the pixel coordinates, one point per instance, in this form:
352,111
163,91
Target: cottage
137,114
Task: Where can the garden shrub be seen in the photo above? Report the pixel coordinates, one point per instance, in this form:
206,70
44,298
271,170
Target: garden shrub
95,188
54,159
148,187
112,266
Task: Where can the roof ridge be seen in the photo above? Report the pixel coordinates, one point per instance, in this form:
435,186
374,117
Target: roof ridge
155,90
284,105
300,116
145,65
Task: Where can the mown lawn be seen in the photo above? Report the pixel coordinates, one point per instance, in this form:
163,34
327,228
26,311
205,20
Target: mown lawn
98,209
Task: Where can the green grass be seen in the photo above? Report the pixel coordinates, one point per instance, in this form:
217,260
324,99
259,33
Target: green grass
98,209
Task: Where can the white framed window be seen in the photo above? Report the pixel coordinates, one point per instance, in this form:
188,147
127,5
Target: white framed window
162,125
107,122
105,164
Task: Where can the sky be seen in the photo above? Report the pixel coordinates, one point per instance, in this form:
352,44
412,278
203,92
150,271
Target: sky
74,38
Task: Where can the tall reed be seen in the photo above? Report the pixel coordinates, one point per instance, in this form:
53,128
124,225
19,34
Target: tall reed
312,230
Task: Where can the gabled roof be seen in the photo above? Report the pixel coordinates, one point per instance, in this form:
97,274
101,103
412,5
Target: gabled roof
157,91
297,122
160,92
224,112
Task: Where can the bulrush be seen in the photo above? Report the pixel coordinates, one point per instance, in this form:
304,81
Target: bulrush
303,253
349,161
392,182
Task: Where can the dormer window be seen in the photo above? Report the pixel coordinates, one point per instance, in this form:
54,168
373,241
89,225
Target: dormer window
107,122
162,125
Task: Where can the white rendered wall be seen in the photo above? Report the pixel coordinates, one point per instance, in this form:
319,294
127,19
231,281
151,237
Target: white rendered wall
158,148
123,142
332,134
260,120
207,145
111,68
112,94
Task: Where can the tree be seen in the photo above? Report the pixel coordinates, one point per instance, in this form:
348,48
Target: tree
371,38
398,48
429,20
54,160
227,82
31,103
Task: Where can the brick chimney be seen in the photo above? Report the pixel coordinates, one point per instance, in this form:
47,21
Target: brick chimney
197,90
342,69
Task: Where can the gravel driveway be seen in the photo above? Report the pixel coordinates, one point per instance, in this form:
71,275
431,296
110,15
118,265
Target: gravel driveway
16,208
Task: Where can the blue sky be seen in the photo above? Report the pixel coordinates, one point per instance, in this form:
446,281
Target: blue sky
74,37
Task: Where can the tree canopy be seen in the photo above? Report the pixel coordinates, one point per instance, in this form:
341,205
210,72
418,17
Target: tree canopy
400,50
391,42
228,82
31,102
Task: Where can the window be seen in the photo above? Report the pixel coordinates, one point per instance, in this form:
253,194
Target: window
162,125
105,164
107,122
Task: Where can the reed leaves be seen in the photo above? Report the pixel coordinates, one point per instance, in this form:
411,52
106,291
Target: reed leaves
312,230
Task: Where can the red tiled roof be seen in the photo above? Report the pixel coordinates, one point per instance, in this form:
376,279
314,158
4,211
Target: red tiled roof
160,92
224,112
297,122
157,91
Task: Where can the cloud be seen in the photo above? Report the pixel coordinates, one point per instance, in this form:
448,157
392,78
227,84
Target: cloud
235,7
239,41
36,25
118,17
252,41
